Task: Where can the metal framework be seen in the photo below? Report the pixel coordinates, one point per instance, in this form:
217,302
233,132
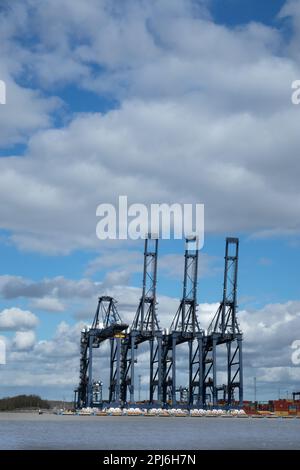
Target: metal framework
204,361
145,327
184,328
106,324
224,330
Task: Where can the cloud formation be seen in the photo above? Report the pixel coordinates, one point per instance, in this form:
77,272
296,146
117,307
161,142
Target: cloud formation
16,319
267,355
201,113
12,287
24,340
194,95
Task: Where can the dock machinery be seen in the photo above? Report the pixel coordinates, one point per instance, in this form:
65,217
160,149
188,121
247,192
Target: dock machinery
204,347
145,328
107,324
224,330
184,329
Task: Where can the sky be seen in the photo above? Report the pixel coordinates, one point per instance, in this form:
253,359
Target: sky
185,101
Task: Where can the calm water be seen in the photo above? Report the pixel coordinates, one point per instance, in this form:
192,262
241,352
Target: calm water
31,431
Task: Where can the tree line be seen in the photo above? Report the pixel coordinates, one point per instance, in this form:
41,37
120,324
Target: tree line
23,402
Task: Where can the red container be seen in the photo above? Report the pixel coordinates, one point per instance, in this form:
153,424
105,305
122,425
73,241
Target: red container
281,405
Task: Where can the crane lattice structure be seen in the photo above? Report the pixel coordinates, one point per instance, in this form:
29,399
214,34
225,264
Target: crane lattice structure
225,330
145,327
184,328
203,389
106,325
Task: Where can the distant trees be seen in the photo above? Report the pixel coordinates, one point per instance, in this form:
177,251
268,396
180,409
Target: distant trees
23,402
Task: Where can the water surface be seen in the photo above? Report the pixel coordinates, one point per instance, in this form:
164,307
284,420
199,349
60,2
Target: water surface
47,431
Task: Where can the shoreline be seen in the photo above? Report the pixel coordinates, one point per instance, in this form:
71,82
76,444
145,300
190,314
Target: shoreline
63,415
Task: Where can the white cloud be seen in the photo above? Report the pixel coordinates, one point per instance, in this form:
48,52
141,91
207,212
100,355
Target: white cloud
268,335
25,112
45,363
50,304
46,290
204,116
123,263
16,319
24,340
291,11
115,259
46,224
3,342
64,344
172,265
27,109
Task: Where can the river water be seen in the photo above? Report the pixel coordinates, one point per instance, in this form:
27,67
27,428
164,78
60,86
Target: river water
47,431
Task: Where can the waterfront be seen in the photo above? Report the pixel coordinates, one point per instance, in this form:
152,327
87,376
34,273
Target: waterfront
48,431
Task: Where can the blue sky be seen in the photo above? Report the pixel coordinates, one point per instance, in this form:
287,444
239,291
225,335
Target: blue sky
183,101
266,271
235,12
